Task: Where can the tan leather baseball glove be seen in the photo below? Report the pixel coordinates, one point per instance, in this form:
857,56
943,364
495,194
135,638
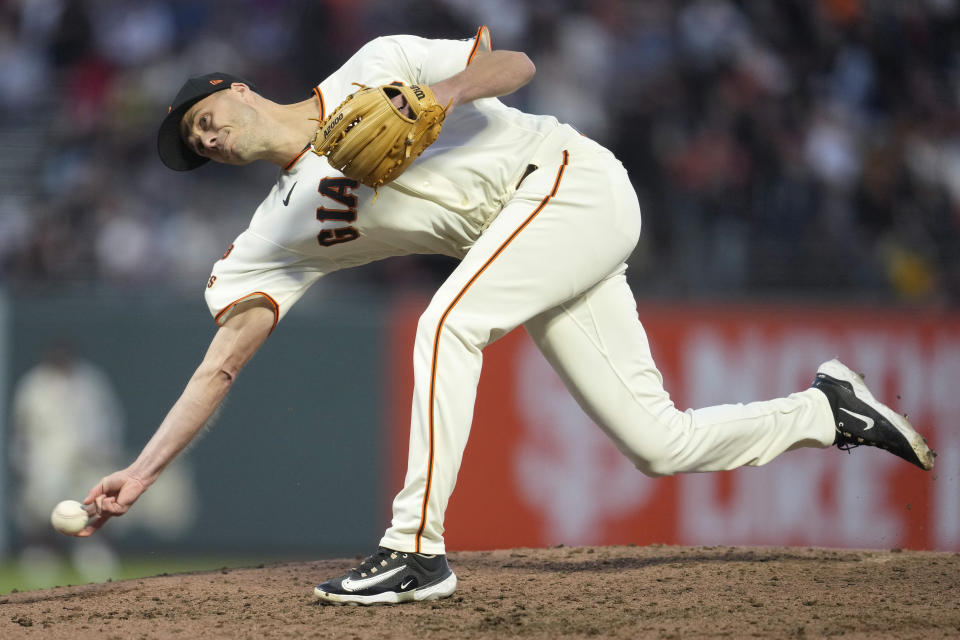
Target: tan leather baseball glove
370,140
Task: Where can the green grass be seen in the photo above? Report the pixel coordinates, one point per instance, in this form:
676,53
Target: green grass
13,577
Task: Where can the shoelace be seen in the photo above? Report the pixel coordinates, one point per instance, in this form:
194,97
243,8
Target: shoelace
372,561
376,562
846,445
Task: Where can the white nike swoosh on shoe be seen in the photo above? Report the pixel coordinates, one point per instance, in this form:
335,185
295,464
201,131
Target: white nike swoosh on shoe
867,420
366,583
405,584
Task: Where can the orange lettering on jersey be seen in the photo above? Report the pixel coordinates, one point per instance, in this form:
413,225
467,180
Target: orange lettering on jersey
211,281
340,190
330,237
346,215
227,252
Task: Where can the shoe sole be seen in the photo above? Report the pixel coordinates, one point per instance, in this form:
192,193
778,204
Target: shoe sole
442,589
840,371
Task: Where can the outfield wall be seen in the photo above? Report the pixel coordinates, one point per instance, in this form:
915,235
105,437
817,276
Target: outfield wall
278,470
538,472
308,451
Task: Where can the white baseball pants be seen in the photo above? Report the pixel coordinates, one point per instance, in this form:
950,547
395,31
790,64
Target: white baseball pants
554,260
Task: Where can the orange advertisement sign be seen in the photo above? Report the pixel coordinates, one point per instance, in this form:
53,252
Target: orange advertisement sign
538,472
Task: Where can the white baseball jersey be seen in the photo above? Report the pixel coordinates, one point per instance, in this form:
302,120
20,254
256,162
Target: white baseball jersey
547,251
315,221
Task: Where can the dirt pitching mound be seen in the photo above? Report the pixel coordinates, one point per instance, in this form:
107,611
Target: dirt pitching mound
576,592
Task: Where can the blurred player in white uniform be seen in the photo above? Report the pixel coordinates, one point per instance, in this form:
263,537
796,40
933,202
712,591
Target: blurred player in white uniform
66,424
542,219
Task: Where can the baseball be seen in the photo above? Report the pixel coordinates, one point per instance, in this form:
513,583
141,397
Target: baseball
69,517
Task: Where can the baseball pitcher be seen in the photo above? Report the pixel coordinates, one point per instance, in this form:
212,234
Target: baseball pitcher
406,149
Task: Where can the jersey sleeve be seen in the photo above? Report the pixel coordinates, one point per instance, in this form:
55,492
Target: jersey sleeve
424,60
253,266
400,58
431,61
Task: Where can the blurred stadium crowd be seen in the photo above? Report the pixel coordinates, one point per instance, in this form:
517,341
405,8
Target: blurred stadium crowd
793,148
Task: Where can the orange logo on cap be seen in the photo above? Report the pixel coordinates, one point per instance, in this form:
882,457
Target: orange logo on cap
216,81
169,109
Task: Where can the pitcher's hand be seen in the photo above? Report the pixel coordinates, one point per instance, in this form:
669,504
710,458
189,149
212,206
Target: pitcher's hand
112,496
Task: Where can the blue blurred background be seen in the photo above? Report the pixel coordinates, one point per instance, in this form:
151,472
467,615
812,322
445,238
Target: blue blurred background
797,150
797,147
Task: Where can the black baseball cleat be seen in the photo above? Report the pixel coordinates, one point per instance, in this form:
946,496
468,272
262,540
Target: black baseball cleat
389,577
863,420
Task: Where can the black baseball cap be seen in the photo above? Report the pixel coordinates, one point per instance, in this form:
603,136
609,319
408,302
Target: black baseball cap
174,152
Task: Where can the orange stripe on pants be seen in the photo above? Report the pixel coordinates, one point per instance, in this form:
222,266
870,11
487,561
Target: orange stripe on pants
436,337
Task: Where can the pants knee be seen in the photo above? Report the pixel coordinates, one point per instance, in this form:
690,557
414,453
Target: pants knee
429,321
656,456
437,323
657,464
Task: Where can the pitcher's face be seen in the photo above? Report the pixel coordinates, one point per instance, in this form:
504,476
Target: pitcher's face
223,126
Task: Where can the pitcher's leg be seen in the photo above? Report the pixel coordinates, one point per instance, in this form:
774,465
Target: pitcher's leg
599,348
545,247
446,372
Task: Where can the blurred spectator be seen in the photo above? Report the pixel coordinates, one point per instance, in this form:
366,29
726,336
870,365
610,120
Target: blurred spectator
791,148
66,427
